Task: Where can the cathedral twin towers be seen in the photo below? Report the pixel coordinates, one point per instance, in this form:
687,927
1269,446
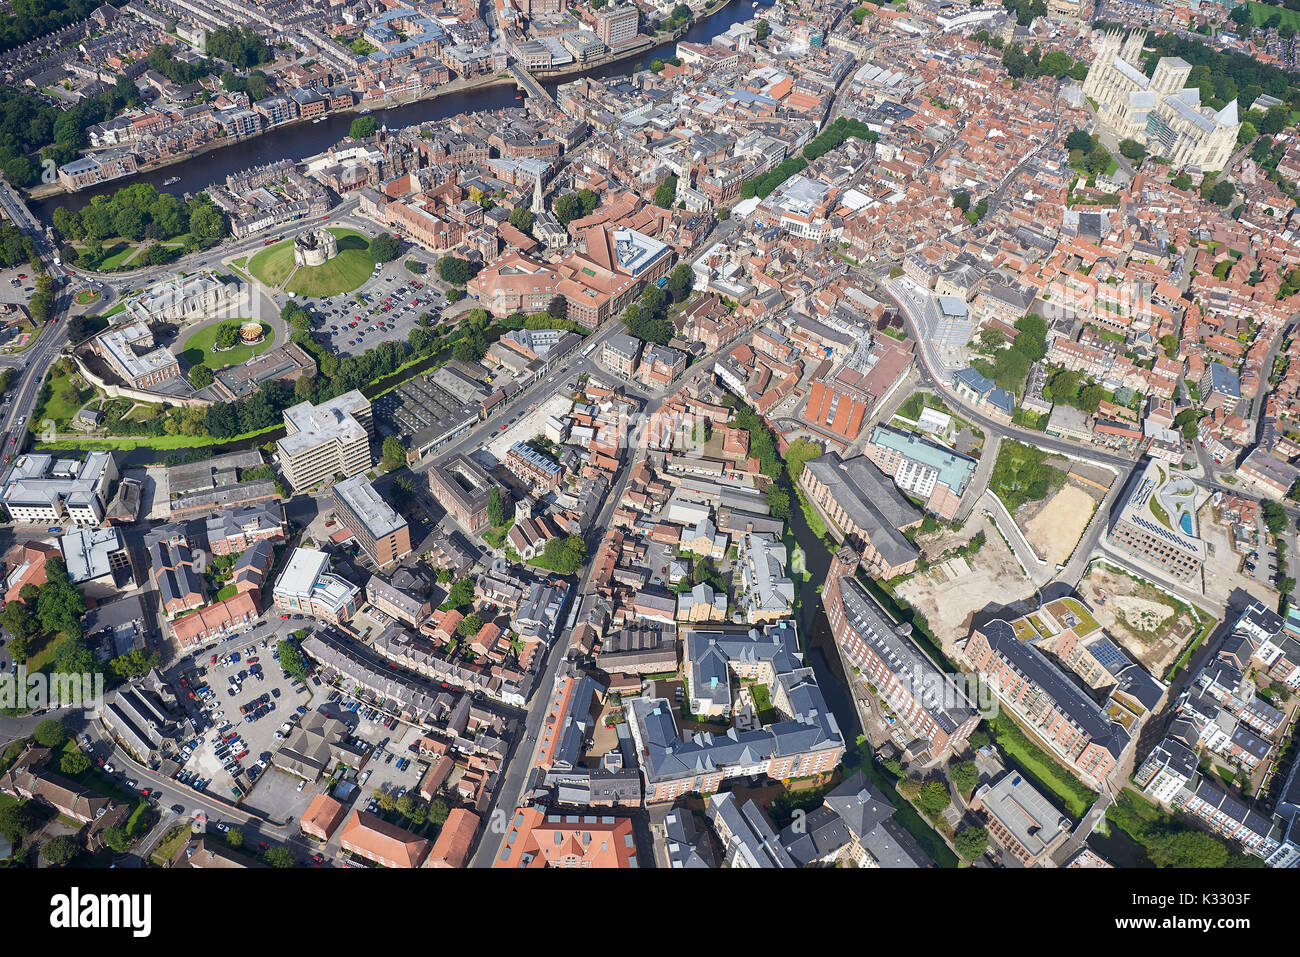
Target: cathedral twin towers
1158,111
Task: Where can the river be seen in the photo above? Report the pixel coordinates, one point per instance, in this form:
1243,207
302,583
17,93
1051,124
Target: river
301,140
819,644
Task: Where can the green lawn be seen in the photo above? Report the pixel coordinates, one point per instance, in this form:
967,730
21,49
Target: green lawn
58,409
273,264
45,654
1041,766
161,442
1260,12
198,348
119,254
85,297
345,272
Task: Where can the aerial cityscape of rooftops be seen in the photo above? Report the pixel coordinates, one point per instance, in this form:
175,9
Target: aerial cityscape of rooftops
649,434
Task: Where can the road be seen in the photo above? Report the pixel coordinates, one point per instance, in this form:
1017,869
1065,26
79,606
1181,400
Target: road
510,790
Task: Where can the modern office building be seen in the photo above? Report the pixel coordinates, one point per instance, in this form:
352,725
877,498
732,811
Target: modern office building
308,586
1021,820
1156,522
382,534
921,468
40,490
326,440
616,25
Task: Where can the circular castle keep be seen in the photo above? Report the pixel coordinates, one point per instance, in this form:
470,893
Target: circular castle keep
315,248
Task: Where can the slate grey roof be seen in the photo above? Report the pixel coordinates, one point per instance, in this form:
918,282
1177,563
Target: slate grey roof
1033,665
872,502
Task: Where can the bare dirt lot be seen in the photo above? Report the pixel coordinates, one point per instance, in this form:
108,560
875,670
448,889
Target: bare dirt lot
949,593
1146,622
1056,529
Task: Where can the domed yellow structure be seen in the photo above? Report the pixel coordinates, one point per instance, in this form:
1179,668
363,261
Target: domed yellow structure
250,333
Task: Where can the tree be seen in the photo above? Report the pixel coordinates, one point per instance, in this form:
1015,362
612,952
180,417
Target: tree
279,857
363,127
227,336
1132,149
235,837
496,508
394,451
73,763
1078,140
521,218
51,733
454,270
971,842
1221,193
1098,160
1274,517
665,192
438,811
679,282
384,248
20,621
961,200
934,797
291,662
16,821
778,502
117,840
1187,849
60,850
800,452
201,377
134,664
460,595
964,776
565,555
762,29
910,788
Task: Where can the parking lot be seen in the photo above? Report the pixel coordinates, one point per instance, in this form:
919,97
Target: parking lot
246,699
525,424
390,302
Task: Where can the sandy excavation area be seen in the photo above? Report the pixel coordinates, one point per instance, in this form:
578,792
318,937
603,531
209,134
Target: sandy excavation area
951,592
1057,527
1146,622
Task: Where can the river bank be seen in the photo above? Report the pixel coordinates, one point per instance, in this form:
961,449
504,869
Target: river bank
46,191
301,139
